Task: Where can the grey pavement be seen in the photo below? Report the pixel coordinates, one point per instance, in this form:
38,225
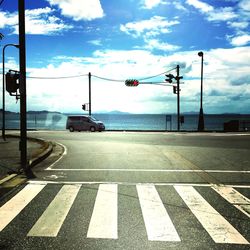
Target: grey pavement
10,154
116,190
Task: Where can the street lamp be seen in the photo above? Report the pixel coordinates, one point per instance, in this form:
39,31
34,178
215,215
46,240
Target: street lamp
3,111
201,116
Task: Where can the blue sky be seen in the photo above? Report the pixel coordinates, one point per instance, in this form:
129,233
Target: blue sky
121,39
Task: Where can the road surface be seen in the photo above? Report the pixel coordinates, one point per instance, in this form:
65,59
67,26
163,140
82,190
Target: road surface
119,190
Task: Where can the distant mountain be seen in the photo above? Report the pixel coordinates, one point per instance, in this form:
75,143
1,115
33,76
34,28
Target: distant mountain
113,112
190,113
8,112
32,112
42,112
117,112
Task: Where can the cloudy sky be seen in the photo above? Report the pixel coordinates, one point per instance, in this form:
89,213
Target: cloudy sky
123,39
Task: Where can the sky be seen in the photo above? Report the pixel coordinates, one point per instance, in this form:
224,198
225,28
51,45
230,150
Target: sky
116,40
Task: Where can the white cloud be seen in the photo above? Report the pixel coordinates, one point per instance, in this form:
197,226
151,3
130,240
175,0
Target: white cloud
222,14
80,10
151,27
156,44
95,42
213,14
7,19
149,30
179,6
238,25
38,21
226,73
203,7
240,40
149,4
41,21
245,5
226,78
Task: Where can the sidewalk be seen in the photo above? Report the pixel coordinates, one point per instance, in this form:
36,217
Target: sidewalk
10,163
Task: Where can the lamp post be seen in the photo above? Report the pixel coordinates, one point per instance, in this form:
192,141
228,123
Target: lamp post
201,116
3,111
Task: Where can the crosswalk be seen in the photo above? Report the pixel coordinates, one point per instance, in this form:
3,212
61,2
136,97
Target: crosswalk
155,215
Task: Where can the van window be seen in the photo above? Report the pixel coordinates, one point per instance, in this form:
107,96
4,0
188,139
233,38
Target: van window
74,118
85,119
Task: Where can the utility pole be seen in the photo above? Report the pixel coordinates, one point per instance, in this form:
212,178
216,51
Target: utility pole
89,93
22,89
176,90
178,97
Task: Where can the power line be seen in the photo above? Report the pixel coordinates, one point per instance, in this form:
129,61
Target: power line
140,79
99,77
146,78
1,2
56,77
107,79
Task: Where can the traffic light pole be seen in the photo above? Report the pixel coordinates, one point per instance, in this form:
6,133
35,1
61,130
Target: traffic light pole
178,97
22,83
89,93
3,110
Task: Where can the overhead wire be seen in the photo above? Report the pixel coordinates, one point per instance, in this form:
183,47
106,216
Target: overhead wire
146,78
107,79
55,77
139,79
96,76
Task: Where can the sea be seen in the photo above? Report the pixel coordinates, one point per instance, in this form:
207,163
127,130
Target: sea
144,122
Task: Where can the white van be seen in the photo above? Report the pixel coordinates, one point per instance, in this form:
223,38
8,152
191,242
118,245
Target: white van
83,122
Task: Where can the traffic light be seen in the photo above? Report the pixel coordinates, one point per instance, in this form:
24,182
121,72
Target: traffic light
132,83
12,84
85,106
169,78
175,91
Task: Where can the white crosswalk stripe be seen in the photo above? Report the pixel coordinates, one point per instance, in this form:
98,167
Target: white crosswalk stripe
235,198
13,207
157,221
103,223
216,225
103,217
56,212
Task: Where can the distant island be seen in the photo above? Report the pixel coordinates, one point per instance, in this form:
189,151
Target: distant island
113,112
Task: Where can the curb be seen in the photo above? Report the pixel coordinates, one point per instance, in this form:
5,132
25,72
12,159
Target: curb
47,148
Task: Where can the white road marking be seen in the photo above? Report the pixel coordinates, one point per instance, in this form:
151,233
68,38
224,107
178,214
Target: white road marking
216,225
150,170
132,183
235,198
50,222
104,219
14,206
65,151
157,221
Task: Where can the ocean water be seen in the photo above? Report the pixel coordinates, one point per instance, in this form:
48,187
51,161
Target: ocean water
57,121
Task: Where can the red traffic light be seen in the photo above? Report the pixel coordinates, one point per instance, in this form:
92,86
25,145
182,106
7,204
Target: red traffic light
131,83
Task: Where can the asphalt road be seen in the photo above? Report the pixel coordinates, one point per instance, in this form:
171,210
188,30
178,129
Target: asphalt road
119,190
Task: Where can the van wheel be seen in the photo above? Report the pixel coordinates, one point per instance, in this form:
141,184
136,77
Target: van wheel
92,129
71,129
